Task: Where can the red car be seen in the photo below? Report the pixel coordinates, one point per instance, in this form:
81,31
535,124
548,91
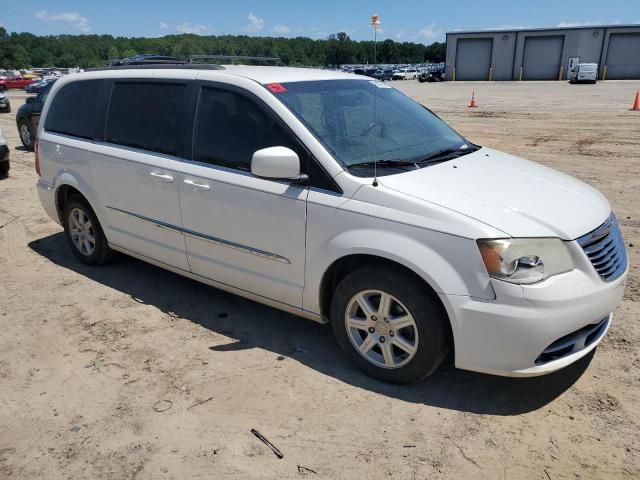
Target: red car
14,82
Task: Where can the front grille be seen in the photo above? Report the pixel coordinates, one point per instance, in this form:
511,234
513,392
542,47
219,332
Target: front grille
605,248
574,342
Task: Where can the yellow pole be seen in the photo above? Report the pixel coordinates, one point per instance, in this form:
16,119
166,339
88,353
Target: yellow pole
520,73
604,72
490,73
561,72
453,76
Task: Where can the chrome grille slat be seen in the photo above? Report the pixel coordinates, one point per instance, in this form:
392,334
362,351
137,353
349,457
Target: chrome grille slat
605,249
598,246
601,253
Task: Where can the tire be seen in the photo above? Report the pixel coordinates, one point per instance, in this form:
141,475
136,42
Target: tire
75,215
3,88
428,337
4,169
27,135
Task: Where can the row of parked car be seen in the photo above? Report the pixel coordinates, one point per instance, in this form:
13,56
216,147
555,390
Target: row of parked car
430,73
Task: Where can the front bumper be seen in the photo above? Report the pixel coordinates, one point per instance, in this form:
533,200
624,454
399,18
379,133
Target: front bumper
507,336
5,107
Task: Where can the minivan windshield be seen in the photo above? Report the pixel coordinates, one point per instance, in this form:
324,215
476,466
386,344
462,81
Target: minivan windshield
365,121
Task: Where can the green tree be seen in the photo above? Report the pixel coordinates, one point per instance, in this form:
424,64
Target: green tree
339,49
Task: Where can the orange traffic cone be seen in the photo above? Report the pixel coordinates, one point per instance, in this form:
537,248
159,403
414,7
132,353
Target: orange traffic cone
636,104
473,103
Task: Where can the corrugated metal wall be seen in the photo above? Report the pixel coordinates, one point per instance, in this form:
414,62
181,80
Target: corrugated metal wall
511,50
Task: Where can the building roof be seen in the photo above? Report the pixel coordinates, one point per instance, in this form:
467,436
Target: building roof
542,29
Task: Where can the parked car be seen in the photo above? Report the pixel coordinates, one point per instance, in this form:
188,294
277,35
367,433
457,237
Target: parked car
14,82
431,76
383,74
28,117
339,199
36,87
5,103
584,73
405,74
4,156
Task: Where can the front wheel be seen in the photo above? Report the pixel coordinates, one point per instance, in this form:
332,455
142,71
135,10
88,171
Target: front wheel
389,324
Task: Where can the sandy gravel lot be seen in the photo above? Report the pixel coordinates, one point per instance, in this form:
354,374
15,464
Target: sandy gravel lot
128,371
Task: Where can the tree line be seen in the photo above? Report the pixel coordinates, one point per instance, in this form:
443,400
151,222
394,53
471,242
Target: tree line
25,50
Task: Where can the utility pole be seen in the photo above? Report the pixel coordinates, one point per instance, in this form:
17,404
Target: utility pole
375,23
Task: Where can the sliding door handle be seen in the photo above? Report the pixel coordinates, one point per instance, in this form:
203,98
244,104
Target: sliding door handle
197,185
161,176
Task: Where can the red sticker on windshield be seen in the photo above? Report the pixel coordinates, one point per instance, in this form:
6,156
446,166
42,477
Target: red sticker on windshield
276,87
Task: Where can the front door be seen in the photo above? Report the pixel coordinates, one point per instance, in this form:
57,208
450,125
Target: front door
240,230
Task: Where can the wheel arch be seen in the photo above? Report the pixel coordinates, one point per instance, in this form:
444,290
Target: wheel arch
342,266
67,186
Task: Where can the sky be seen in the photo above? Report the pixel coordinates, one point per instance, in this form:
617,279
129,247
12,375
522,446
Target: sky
423,21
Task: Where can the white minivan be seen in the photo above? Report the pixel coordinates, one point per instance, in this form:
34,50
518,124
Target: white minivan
339,199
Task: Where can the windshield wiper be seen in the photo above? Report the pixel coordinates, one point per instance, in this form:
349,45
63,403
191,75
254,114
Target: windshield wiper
384,163
445,154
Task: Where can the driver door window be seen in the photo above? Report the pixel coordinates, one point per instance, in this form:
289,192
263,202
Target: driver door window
230,128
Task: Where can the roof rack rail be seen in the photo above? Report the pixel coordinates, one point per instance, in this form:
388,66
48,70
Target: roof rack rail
245,58
159,66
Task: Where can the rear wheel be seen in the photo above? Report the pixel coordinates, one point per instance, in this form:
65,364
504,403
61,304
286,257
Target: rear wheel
27,135
389,324
84,233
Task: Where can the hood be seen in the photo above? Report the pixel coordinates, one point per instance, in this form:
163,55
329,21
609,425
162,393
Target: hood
519,197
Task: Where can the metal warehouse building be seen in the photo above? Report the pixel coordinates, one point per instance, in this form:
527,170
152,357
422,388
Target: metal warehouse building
543,54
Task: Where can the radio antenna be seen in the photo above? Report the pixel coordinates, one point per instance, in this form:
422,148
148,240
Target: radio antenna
375,23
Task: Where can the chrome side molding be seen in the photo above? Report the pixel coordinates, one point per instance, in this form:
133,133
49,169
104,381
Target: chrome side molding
215,240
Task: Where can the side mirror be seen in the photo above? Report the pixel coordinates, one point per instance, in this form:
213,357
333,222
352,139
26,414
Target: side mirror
279,163
31,100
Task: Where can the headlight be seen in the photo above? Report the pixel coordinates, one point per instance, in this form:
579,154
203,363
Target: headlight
525,260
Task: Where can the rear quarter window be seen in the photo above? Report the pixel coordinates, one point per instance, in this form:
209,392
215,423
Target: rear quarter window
76,110
147,115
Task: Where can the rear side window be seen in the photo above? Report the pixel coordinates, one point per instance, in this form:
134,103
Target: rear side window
75,110
147,115
231,127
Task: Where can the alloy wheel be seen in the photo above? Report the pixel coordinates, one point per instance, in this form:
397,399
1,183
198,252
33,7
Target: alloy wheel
25,134
381,329
82,233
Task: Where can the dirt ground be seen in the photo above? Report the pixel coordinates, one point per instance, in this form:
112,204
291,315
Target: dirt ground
128,371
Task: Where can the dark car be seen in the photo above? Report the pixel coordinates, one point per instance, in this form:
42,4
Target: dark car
28,117
38,86
4,156
383,74
5,104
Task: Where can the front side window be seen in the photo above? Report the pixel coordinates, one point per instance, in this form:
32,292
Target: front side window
147,115
231,127
361,121
75,109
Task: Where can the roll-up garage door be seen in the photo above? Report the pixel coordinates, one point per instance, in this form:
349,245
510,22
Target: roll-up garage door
473,58
623,56
542,57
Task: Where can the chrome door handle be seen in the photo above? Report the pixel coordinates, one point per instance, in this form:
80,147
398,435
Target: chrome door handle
199,186
162,176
